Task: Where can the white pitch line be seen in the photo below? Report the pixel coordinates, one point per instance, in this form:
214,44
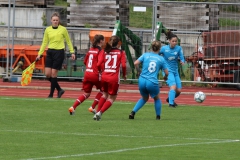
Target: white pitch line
131,149
107,135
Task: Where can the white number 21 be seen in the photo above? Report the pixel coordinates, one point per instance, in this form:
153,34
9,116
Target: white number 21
109,58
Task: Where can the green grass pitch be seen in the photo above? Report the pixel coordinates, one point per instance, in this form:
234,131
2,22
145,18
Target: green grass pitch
43,129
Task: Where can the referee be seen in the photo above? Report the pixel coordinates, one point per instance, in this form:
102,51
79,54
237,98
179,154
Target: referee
54,37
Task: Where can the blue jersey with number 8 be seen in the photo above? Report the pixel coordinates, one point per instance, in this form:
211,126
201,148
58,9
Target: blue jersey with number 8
152,63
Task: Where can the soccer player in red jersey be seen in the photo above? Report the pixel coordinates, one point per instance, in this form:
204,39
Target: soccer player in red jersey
91,75
110,60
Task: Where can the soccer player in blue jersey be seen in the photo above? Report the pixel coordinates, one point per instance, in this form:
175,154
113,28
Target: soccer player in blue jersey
148,84
172,53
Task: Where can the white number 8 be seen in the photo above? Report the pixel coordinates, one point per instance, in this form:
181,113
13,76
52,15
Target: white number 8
152,67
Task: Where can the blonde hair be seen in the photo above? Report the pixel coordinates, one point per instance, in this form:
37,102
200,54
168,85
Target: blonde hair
55,14
156,45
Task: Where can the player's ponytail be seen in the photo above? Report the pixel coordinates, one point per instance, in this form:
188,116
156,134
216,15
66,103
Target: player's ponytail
97,39
170,35
156,45
113,42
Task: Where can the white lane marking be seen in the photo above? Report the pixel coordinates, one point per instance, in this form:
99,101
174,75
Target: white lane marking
131,149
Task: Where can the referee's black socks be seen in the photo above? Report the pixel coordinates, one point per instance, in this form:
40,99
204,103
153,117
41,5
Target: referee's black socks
57,85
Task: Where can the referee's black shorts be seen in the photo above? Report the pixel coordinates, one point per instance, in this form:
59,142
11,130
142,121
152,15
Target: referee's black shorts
54,59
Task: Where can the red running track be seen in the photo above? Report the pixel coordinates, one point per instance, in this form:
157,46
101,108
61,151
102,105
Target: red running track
219,97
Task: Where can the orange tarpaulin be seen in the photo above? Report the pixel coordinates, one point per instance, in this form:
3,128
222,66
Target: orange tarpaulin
27,52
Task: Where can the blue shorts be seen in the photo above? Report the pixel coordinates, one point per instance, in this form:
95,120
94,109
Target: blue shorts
147,88
174,80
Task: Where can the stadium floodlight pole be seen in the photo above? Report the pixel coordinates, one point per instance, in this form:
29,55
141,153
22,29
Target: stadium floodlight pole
154,17
13,32
9,16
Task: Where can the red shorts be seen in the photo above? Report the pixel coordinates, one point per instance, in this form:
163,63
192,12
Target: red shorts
110,87
88,85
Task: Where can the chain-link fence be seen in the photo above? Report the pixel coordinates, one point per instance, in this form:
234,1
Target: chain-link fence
209,31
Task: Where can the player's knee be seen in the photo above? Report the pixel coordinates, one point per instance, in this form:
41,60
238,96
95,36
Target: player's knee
48,75
156,98
173,87
87,95
110,100
53,75
113,97
178,91
145,98
105,95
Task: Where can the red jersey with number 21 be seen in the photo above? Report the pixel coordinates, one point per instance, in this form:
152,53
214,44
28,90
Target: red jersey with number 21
110,64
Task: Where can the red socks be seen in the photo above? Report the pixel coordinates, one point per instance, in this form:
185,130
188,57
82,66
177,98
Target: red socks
80,99
106,105
100,104
103,105
96,100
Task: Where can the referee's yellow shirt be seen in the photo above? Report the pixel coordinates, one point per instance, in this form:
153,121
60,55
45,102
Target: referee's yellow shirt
54,39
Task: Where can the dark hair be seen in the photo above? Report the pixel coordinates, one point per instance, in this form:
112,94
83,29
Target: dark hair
156,45
170,35
96,39
113,42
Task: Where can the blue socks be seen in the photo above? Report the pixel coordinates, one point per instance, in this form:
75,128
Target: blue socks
158,107
171,95
139,105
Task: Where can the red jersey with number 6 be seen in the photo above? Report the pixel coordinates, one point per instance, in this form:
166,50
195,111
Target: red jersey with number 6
90,61
110,64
